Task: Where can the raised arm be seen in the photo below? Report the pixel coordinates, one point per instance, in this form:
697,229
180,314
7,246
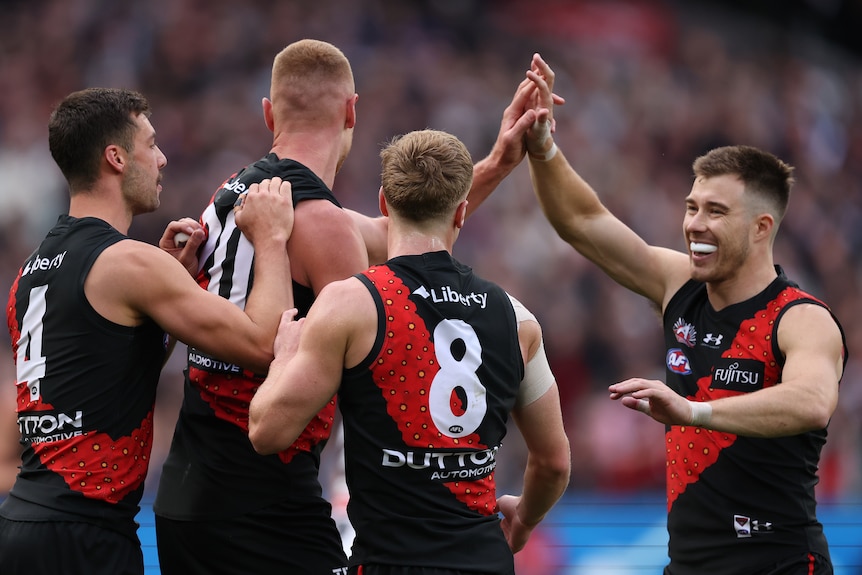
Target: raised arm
509,148
577,214
508,151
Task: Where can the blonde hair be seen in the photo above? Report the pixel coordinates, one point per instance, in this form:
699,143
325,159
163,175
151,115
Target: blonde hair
425,174
311,80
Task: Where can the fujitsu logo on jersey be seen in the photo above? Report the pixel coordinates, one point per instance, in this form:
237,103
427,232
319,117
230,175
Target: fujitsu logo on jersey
738,374
445,465
45,427
40,264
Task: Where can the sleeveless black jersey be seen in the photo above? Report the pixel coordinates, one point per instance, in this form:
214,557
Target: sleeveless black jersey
211,470
735,503
86,388
424,415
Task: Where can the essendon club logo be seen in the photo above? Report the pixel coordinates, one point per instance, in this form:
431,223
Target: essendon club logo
684,333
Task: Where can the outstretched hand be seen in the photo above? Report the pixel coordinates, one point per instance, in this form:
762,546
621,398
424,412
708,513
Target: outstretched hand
533,102
539,141
653,398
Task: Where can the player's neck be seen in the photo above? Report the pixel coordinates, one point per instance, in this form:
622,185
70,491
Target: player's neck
743,285
98,204
314,151
405,242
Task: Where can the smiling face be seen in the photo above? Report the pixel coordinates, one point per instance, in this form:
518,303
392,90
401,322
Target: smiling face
141,180
718,228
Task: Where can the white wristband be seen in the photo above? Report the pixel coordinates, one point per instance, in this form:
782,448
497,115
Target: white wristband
701,413
541,134
547,155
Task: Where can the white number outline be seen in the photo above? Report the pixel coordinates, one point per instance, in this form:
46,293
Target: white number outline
455,373
30,368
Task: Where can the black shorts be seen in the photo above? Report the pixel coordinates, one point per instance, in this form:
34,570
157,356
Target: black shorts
284,538
800,564
374,569
67,547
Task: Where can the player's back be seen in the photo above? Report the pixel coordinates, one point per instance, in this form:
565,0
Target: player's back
425,414
86,387
211,463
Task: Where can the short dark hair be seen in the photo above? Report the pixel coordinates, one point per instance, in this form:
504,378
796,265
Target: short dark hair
762,173
86,122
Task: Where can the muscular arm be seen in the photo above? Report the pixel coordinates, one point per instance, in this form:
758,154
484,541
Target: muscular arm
808,393
310,356
578,216
131,281
540,422
803,401
153,284
325,245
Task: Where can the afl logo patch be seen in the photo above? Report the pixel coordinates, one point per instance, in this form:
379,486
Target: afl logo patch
677,362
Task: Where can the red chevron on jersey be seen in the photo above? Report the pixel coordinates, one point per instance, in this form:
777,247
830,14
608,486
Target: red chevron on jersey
690,450
100,467
405,387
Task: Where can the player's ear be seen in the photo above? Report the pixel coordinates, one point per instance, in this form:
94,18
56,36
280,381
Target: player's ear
266,104
381,203
461,214
115,156
350,119
764,225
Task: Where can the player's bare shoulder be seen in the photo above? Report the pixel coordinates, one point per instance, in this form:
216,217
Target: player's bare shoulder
325,245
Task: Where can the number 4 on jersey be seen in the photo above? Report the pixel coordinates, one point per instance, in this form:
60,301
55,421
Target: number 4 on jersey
30,363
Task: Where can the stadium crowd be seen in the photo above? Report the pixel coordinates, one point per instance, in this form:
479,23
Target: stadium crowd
648,86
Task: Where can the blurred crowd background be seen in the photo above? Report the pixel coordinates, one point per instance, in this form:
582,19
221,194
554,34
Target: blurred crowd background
649,86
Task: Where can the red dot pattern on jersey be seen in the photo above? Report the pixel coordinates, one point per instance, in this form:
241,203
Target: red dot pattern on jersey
230,397
691,450
405,386
98,466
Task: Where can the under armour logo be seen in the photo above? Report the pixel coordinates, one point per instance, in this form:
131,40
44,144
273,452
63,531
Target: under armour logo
710,339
